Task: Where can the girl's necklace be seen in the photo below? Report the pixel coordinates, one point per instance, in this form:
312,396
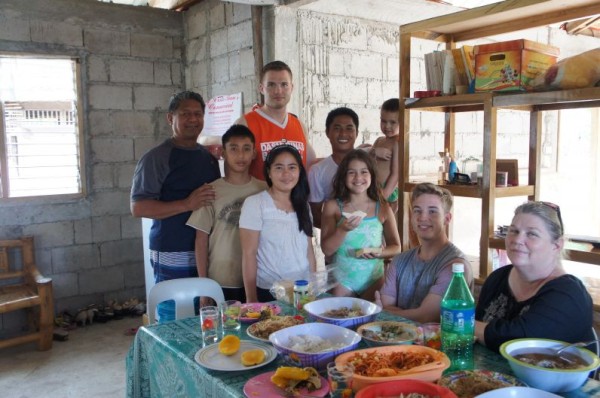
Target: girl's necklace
283,205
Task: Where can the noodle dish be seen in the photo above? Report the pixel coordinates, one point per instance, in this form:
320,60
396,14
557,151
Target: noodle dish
390,363
470,383
263,329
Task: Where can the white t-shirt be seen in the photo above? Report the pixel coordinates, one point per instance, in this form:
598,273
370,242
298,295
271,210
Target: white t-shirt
282,247
320,180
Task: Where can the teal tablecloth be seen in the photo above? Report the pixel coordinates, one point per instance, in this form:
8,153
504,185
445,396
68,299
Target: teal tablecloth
160,363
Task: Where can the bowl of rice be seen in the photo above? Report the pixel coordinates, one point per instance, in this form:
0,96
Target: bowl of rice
348,312
313,344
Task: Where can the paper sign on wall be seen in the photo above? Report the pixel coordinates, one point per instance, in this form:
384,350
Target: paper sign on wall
221,113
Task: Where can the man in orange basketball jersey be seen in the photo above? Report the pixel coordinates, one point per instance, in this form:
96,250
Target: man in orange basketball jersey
271,123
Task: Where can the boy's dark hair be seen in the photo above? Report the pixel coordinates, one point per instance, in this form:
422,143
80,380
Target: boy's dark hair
339,112
391,105
274,65
299,194
177,98
340,191
237,130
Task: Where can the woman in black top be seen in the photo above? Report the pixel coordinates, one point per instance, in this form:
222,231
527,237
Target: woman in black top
534,296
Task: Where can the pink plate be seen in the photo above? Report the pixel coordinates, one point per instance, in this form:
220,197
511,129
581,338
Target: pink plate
256,308
261,387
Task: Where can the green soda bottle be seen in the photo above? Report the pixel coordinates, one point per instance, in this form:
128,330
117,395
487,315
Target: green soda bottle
458,321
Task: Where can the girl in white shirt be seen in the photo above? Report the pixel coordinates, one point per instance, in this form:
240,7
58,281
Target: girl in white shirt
276,227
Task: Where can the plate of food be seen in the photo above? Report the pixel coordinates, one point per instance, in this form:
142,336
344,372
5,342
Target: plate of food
470,383
387,333
396,362
253,312
290,382
250,355
261,330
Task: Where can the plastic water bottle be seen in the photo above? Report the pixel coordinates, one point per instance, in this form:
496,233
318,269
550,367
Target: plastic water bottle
452,170
458,321
300,293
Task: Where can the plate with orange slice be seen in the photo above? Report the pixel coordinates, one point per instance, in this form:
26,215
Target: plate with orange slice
250,355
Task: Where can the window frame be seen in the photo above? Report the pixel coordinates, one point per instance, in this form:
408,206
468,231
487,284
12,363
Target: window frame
77,79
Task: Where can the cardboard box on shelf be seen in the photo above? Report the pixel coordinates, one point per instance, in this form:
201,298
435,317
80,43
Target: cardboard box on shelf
511,65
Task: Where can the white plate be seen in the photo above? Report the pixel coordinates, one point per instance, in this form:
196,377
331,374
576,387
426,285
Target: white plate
210,357
517,392
255,325
267,341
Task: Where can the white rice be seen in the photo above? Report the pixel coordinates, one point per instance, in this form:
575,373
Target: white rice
308,343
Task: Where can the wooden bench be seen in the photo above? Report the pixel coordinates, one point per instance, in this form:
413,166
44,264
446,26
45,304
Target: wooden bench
23,287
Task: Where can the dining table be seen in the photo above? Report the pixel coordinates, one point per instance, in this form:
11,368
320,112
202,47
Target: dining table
161,363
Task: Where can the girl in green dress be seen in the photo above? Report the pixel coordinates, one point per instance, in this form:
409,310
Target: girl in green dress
358,228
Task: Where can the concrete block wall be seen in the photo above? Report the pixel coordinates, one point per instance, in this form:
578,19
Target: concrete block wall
219,52
131,63
345,62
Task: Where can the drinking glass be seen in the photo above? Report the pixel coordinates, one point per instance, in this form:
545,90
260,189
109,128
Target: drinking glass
340,379
230,315
209,323
432,335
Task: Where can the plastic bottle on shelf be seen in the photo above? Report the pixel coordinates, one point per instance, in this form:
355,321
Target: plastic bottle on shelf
458,321
300,292
441,175
452,170
446,160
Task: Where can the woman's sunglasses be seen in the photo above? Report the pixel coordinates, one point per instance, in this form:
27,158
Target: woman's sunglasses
556,208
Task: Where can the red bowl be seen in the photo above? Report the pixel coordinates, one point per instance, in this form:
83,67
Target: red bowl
395,388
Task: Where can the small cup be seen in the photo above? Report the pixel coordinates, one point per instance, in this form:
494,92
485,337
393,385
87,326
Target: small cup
462,89
502,178
340,379
230,315
209,324
431,335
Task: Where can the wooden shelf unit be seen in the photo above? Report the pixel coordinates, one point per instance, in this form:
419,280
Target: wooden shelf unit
493,19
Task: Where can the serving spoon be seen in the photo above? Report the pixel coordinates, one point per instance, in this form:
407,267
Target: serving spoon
580,344
563,348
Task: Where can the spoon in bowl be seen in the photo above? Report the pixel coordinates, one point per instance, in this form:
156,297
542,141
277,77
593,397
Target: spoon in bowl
580,344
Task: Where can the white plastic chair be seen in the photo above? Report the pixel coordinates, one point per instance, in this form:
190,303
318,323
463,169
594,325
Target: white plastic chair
183,291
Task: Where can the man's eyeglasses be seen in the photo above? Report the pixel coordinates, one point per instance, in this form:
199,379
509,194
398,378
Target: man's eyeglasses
556,208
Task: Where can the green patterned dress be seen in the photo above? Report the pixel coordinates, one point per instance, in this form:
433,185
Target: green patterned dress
357,274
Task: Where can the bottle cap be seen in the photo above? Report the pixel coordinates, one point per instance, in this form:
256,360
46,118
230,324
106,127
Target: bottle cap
303,282
458,267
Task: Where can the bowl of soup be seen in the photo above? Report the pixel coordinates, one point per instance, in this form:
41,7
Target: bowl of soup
348,312
534,361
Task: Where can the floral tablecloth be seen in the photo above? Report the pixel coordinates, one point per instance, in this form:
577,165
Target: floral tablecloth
160,363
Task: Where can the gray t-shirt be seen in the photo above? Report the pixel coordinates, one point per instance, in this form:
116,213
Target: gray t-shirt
410,279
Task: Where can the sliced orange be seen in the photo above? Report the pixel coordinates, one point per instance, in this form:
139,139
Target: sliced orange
229,345
253,357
